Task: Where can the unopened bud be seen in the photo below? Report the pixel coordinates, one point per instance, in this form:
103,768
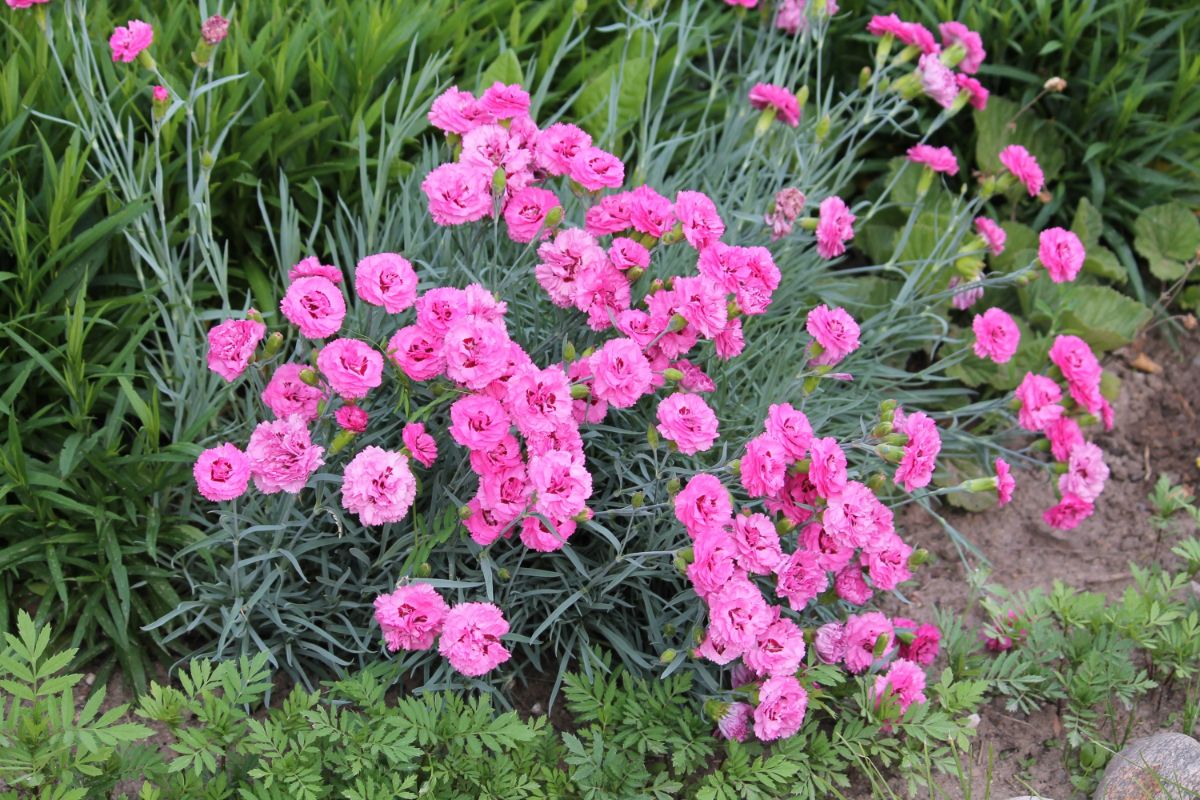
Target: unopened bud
668,629
568,352
672,374
889,453
735,467
811,383
206,160
976,485
673,487
580,391
887,409
553,217
864,78
881,430
678,323
580,7
802,96
801,467
423,570
464,513
784,525
881,645
765,118
667,656
807,223
1055,84
647,240
633,273
503,574
918,557
583,516
876,482
822,129
715,710
638,500
274,342
343,438
674,235
652,437
309,377
499,181
896,438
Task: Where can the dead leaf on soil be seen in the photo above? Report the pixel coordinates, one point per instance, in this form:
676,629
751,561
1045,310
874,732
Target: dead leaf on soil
1144,363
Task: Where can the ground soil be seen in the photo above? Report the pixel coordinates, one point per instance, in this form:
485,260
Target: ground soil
1156,432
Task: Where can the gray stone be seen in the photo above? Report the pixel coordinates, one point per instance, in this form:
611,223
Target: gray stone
1165,766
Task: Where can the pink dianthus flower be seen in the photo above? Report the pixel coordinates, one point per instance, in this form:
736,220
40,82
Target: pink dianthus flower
1021,163
1039,398
411,617
222,472
353,368
352,418
687,420
996,335
286,394
282,455
835,331
1069,512
703,505
458,193
422,446
129,40
835,227
938,159
315,306
378,486
387,280
992,233
1086,473
471,638
785,104
231,345
779,714
1061,253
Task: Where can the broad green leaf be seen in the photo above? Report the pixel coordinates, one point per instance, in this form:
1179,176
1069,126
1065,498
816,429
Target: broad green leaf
996,130
1166,236
1103,317
1103,263
1019,248
506,69
627,81
1087,224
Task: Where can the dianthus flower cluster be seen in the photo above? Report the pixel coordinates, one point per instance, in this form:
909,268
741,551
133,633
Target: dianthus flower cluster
944,68
414,616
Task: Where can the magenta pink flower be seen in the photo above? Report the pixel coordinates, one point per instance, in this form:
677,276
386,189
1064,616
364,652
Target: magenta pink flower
992,233
456,111
778,650
286,394
856,517
525,213
905,681
476,352
490,148
562,484
827,471
536,536
471,638
687,420
558,145
1064,434
955,33
784,103
926,640
714,563
458,193
790,428
698,217
602,292
800,578
757,543
539,400
564,261
129,40
595,169
738,614
835,227
417,352
920,453
703,505
851,586
485,525
419,443
621,373
937,80
625,253
161,95
1005,482
1081,369
282,455
478,422
830,642
1021,163
1069,512
1086,473
352,418
702,303
886,561
506,492
730,342
353,368
222,473
378,486
780,710
1039,398
996,335
789,16
214,30
1061,253
835,331
764,466
24,3
735,724
312,267
909,33
387,280
977,94
938,159
863,632
315,306
694,379
649,212
411,617
833,553
231,345
504,102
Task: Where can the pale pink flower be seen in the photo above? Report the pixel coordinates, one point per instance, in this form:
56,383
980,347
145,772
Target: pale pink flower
476,352
1069,512
856,517
1061,253
525,213
378,486
417,352
937,81
214,30
625,253
536,536
231,345
967,296
851,586
834,554
702,303
130,39
352,418
764,465
558,145
1039,398
996,335
789,16
835,331
312,267
694,378
835,227
562,485
504,101
977,94
698,217
738,614
286,394
830,642
886,561
687,420
800,578
315,306
1086,473
458,193
757,543
905,681
610,215
621,373
563,262
24,3
938,159
827,471
759,278
1064,434
419,443
411,617
714,563
602,292
471,638
478,422
920,452
992,233
730,342
492,148
387,280
595,169
539,400
1081,370
353,368
863,632
649,212
785,104
778,650
282,455
735,724
780,710
1021,163
222,473
791,428
456,111
1005,482
703,505
955,33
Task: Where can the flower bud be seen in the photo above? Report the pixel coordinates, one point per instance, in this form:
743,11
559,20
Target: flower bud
678,323
1055,84
580,7
423,570
568,352
810,384
899,439
672,374
807,223
976,485
925,182
674,235
881,645
715,710
864,79
887,410
554,217
464,513
647,241
583,516
499,181
673,486
876,482
343,438
802,97
667,657
883,49
881,430
652,437
735,467
633,273
207,161
580,391
801,467
309,376
783,525
668,630
889,453
638,500
918,557
274,342
503,574
822,129
765,118
146,60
